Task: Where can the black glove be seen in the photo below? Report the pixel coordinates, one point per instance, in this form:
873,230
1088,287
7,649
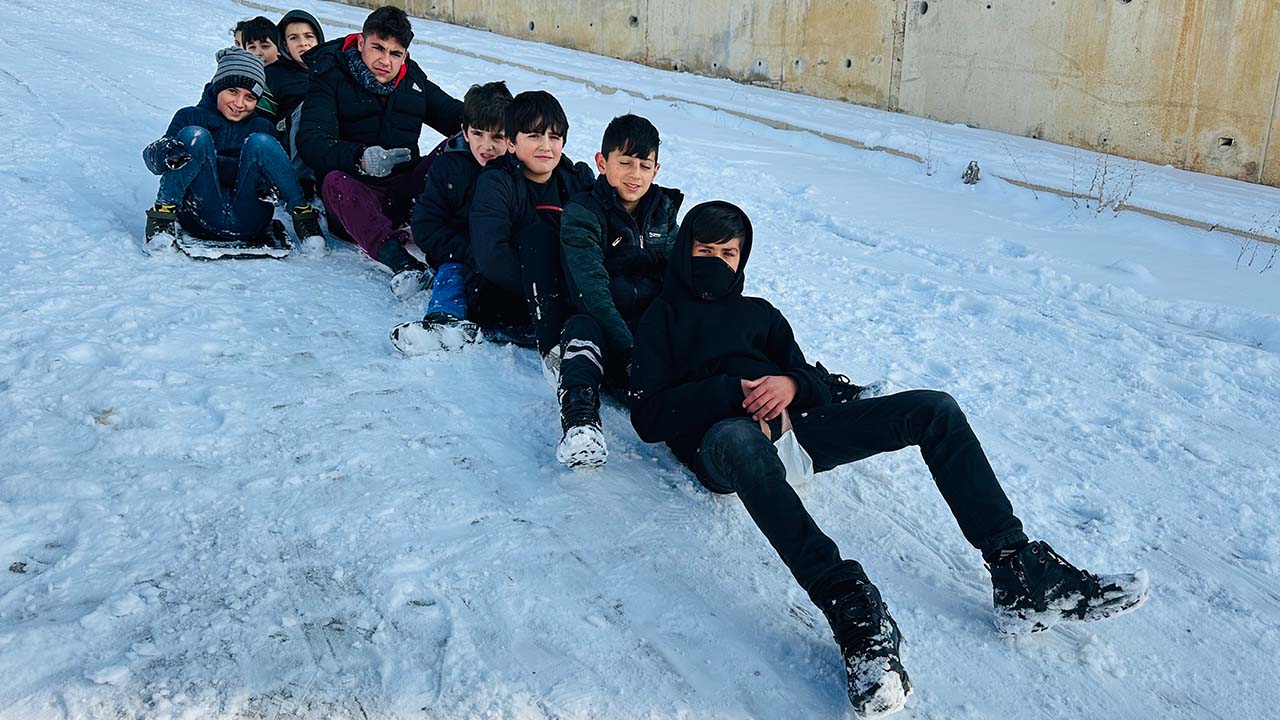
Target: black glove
176,153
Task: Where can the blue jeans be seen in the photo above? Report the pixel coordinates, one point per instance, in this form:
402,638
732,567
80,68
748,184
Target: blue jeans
448,291
239,213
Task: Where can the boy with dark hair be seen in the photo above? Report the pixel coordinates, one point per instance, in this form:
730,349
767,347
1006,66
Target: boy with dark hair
216,159
615,239
515,215
440,228
258,36
287,77
361,120
718,375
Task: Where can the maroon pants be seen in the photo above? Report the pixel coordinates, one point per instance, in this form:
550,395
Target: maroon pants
368,210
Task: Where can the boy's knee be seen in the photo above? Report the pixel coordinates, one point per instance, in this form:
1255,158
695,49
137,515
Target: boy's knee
582,326
938,402
262,143
736,450
193,136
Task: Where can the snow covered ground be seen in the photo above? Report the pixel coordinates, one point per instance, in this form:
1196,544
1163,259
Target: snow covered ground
223,494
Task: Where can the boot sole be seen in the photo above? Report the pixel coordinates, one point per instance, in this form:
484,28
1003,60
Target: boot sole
582,450
1133,593
412,338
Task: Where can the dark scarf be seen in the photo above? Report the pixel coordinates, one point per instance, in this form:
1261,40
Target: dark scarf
365,76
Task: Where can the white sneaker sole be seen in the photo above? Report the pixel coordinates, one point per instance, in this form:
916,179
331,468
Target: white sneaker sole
412,338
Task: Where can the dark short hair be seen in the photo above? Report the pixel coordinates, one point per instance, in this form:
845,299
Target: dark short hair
389,22
256,30
534,111
483,106
718,224
631,135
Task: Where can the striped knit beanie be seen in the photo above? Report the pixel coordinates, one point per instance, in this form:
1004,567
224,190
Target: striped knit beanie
239,69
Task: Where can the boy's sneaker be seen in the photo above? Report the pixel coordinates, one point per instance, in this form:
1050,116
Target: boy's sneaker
436,331
1035,588
583,443
870,644
842,389
162,227
409,282
306,226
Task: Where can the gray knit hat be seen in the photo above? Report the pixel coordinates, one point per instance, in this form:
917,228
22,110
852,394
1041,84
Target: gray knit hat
239,69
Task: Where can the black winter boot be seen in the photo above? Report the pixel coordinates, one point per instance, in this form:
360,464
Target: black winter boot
162,227
306,226
583,442
1035,588
870,644
436,331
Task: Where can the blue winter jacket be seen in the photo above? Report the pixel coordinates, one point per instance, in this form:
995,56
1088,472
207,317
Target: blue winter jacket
228,137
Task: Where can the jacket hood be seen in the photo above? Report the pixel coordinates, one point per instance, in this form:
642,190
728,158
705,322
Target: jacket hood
299,16
679,279
209,100
458,143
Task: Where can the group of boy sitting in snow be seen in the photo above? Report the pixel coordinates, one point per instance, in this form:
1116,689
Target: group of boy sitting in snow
529,247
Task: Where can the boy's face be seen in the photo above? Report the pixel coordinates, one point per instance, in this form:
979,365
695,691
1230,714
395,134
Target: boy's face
629,175
264,49
485,144
730,252
299,37
383,56
539,152
236,104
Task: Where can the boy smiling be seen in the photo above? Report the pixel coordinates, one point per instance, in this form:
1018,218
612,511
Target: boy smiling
615,238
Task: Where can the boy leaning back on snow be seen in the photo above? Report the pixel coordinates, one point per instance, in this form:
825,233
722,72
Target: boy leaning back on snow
718,374
218,160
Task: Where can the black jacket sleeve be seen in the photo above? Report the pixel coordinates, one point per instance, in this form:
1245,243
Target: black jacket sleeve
318,141
444,112
664,409
435,220
783,350
494,248
582,240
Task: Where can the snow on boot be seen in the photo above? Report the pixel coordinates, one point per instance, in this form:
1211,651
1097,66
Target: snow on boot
162,227
551,367
583,443
306,226
1035,588
437,331
408,282
870,644
842,390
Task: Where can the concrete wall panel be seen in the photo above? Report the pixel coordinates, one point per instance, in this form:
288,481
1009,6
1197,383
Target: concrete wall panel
841,49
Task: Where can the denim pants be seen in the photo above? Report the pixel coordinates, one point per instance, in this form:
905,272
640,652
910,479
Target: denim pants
236,213
736,457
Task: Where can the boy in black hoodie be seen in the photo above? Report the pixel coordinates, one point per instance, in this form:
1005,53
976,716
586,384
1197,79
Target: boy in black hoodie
298,32
461,301
615,238
717,377
515,214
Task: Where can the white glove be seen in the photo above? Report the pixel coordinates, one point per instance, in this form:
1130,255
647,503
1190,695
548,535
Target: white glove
378,161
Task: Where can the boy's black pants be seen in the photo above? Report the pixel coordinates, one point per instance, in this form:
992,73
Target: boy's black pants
735,456
542,278
587,361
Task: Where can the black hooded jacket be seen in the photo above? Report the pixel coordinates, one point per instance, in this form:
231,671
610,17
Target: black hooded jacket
340,118
694,349
286,77
440,217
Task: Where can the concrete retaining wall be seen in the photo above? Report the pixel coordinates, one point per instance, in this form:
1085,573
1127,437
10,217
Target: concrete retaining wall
1189,83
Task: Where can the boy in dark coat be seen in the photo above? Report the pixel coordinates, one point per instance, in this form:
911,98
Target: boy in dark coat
460,300
287,77
615,238
515,214
217,160
361,119
719,374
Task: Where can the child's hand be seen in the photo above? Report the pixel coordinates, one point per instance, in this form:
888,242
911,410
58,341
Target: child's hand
768,396
176,153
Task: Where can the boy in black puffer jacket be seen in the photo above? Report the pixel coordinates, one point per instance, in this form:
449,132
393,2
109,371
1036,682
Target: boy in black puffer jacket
615,239
515,215
287,77
461,301
719,375
218,159
362,117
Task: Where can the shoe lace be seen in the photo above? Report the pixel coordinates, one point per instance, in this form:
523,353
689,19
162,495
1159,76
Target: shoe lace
580,407
859,615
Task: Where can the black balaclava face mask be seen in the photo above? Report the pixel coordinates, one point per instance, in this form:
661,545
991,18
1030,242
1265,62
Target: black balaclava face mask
712,277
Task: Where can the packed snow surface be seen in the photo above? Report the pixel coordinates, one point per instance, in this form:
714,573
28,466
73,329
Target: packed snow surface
224,494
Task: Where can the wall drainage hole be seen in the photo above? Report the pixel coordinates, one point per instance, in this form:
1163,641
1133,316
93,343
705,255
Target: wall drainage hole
1226,141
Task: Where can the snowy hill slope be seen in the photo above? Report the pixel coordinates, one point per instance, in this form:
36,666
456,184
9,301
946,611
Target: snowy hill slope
223,494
